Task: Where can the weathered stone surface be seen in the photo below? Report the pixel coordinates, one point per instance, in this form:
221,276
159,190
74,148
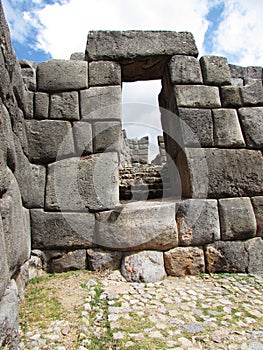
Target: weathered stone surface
60,230
199,96
197,221
254,248
237,71
230,96
81,183
257,203
226,257
101,260
146,266
28,71
78,56
68,261
237,219
16,225
197,127
64,105
119,45
62,75
252,125
106,136
215,70
22,278
254,72
183,261
29,105
227,130
82,132
41,105
9,318
49,139
4,270
234,173
104,73
101,103
185,70
31,179
252,94
138,225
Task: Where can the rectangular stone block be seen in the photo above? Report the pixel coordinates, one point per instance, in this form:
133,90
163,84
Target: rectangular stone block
252,125
29,105
101,103
64,105
82,132
230,96
182,261
237,219
197,96
62,75
121,45
138,226
196,127
252,94
215,70
104,73
41,105
60,230
185,70
257,203
227,130
67,261
48,140
84,183
106,136
197,221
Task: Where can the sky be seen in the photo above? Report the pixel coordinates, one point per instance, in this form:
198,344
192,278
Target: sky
45,29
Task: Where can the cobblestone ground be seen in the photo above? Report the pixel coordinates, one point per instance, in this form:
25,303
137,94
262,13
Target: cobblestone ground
201,312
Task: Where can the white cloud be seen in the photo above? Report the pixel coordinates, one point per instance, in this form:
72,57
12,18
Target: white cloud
239,34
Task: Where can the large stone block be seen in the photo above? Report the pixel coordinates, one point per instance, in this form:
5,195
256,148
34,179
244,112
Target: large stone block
237,219
215,70
252,93
4,270
48,140
146,266
106,136
9,318
227,130
82,132
257,203
226,257
185,70
101,260
196,127
197,221
198,96
41,105
62,75
60,230
101,103
104,73
230,97
80,183
64,105
16,226
252,125
254,247
68,261
182,261
138,225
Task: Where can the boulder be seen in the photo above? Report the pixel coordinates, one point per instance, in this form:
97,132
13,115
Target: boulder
62,75
254,248
197,96
103,73
64,105
138,225
182,261
237,219
41,101
106,136
197,221
185,70
252,125
257,203
82,132
68,261
60,230
252,93
101,260
230,96
146,266
215,70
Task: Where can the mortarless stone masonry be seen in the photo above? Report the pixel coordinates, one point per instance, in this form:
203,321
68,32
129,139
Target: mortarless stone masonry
66,114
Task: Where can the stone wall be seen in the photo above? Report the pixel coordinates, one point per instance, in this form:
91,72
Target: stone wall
133,151
60,155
